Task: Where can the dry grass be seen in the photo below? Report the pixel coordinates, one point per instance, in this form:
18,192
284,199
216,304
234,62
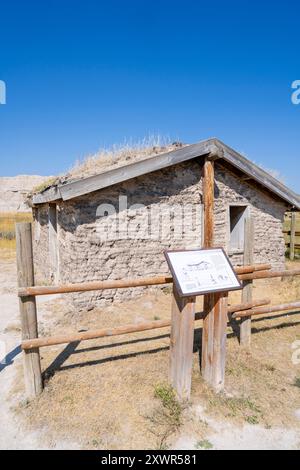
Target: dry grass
111,393
7,231
112,157
119,155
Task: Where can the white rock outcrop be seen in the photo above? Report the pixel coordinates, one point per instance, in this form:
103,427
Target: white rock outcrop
14,190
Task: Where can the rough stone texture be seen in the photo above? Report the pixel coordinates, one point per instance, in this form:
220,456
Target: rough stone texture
13,192
86,255
267,212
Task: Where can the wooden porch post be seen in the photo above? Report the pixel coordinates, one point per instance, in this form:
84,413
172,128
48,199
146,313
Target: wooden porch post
215,305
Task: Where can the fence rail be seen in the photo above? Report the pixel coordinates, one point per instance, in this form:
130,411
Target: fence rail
124,283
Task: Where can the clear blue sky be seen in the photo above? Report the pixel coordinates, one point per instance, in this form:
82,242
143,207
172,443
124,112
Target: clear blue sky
85,74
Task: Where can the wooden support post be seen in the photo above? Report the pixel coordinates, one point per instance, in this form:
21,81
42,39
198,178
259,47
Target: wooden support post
214,340
32,364
208,203
215,305
181,344
245,325
293,234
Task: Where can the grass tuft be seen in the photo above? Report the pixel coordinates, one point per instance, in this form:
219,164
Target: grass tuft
204,444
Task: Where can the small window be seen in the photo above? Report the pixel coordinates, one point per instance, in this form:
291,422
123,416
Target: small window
237,216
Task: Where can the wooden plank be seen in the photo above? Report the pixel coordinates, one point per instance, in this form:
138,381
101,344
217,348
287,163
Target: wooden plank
292,236
126,329
181,344
133,170
259,175
157,162
245,325
49,195
27,305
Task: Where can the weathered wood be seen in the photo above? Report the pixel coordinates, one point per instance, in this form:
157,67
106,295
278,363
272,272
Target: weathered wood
214,340
118,284
135,169
252,268
27,305
264,310
181,344
245,325
252,304
292,236
258,174
269,274
215,305
126,329
208,203
208,239
157,162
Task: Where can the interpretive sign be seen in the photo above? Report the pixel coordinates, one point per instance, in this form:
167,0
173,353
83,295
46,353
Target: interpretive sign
201,271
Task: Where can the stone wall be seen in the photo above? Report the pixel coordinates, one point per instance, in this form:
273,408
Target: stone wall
267,213
90,247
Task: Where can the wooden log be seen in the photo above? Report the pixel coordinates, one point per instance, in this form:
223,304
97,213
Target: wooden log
96,285
118,284
27,306
292,236
208,203
245,325
208,240
121,330
269,274
264,310
214,340
247,269
181,344
254,303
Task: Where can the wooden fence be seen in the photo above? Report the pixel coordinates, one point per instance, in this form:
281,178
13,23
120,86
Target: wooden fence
182,319
291,230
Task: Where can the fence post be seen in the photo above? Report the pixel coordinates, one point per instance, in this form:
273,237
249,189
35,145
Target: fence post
27,305
245,325
181,344
292,237
214,340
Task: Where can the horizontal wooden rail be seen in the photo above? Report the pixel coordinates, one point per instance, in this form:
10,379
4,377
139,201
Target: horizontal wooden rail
269,274
297,234
118,284
264,310
121,330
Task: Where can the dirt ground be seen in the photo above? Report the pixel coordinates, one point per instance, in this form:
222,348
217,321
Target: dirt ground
112,393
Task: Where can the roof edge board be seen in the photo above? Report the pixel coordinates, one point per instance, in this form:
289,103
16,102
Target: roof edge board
135,169
260,175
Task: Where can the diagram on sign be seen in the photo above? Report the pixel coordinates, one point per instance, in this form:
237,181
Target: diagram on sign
201,271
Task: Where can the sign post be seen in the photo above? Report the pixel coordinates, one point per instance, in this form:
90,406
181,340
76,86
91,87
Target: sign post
197,272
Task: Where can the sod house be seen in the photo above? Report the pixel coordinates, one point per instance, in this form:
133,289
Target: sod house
116,224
